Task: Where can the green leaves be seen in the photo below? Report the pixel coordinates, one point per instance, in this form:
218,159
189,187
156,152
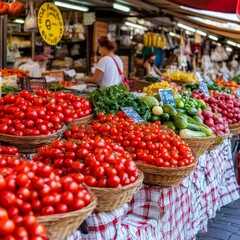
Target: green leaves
111,99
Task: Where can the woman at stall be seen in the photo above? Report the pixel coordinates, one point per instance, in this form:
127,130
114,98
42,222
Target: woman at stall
109,70
150,68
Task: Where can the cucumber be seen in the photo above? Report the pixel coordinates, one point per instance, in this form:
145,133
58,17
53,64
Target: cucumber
157,96
179,103
180,122
179,110
182,115
165,117
151,79
170,125
186,133
167,108
201,103
205,129
154,118
198,119
192,111
150,101
193,127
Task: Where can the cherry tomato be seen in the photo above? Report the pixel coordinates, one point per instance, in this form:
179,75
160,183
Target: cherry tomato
113,181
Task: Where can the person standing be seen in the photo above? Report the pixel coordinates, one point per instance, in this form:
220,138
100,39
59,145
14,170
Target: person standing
109,69
150,68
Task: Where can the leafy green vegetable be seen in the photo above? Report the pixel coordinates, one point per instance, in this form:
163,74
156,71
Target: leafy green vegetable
8,89
111,99
55,87
219,88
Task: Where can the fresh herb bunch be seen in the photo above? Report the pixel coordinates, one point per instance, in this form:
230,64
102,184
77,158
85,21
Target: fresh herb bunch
111,99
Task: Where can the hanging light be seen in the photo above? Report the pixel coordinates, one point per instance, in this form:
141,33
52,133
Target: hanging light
71,6
134,25
201,33
214,38
186,27
121,7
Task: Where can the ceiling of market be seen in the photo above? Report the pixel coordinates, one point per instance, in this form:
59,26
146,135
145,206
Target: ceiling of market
167,13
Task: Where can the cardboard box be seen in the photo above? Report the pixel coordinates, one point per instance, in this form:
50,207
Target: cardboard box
140,84
125,71
100,29
58,75
124,59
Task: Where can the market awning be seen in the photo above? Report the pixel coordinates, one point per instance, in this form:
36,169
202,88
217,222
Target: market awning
228,6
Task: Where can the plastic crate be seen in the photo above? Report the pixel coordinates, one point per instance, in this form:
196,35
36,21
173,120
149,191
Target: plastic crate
30,83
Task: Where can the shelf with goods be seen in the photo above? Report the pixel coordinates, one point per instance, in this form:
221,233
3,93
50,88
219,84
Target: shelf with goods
19,44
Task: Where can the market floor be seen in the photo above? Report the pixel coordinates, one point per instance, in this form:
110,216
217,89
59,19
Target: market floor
226,224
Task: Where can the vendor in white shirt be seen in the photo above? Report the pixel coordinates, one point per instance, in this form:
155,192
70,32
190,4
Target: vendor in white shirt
106,73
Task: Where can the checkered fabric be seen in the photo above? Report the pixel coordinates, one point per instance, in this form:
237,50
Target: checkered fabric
171,213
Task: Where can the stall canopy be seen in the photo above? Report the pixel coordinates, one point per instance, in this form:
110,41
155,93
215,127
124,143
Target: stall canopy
228,6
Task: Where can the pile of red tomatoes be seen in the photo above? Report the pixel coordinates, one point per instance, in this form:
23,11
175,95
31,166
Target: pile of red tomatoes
31,189
146,142
40,113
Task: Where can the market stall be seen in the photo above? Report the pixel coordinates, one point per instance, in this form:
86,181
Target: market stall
82,162
179,212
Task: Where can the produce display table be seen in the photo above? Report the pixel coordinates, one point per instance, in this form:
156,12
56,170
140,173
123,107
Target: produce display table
171,213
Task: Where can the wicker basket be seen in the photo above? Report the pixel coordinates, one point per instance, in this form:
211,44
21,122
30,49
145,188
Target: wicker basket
200,145
113,198
86,119
234,128
61,226
164,177
218,141
29,144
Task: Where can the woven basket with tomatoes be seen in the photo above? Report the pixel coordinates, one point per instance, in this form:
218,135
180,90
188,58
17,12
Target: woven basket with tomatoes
29,120
38,203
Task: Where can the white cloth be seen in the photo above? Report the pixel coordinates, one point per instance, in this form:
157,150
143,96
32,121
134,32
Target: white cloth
111,75
154,73
33,69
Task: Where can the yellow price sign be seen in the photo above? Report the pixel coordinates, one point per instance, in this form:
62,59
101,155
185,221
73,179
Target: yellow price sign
50,23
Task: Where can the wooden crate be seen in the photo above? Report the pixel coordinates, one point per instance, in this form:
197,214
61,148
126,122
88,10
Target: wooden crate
140,84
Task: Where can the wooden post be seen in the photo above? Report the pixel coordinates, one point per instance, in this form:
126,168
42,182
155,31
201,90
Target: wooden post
3,41
88,52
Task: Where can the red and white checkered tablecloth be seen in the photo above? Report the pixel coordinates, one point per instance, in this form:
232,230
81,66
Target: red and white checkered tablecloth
171,213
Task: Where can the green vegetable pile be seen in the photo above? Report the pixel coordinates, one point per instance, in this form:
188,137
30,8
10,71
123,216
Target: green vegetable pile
190,86
187,104
184,119
219,88
8,89
111,99
152,79
236,79
55,87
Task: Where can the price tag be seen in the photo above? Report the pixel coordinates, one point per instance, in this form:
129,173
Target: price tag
167,97
199,76
238,93
204,88
208,80
131,113
71,73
